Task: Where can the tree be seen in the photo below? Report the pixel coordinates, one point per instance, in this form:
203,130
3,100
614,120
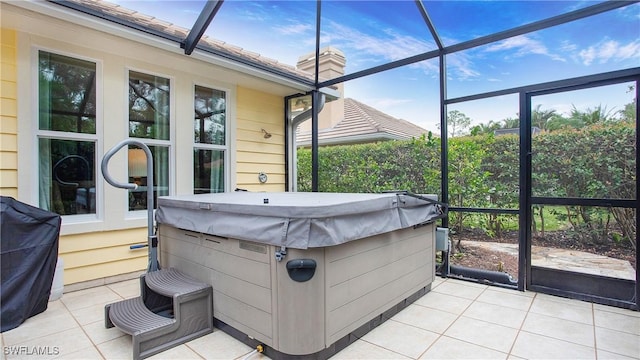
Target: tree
485,129
457,123
540,118
598,115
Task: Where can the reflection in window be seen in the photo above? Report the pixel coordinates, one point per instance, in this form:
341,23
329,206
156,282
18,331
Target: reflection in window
66,107
149,118
67,176
67,89
137,165
210,115
149,98
209,140
208,171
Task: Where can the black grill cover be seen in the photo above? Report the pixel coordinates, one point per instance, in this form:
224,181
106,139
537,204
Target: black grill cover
28,254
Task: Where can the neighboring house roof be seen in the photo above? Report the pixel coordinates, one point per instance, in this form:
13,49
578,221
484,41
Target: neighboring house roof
142,21
362,123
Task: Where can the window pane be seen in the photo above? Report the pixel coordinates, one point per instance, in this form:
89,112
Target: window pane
210,116
149,98
67,94
137,165
208,171
67,176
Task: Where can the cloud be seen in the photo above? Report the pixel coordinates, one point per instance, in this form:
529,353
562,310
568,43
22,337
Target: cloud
294,29
522,45
461,66
610,50
383,46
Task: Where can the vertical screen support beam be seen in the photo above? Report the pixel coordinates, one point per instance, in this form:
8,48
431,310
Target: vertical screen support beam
524,221
315,102
444,152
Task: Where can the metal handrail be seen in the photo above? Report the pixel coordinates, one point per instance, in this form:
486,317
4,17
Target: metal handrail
152,238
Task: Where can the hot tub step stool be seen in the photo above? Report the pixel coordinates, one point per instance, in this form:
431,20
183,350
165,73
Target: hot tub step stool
191,305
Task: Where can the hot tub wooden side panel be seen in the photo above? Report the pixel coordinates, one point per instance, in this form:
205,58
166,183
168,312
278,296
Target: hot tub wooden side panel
369,276
239,272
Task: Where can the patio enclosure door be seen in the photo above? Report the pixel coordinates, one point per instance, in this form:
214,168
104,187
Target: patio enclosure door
580,210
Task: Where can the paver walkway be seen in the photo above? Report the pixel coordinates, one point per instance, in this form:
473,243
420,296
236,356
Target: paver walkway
567,259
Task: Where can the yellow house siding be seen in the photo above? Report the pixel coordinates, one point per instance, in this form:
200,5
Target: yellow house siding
104,253
257,110
96,249
8,115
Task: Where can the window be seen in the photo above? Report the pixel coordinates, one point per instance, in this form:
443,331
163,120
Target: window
210,144
149,122
66,134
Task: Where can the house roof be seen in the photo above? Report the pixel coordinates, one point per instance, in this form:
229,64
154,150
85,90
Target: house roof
362,123
150,24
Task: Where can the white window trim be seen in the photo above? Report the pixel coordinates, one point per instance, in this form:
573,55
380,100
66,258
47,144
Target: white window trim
137,215
227,135
71,224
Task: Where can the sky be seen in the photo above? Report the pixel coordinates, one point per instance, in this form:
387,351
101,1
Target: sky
372,33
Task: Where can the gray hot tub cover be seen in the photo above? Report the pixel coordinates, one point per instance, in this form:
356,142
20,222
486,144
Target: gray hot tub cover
296,219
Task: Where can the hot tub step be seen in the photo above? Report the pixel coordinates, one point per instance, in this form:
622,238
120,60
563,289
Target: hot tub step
171,282
189,314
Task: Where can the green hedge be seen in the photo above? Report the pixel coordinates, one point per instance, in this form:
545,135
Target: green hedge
593,162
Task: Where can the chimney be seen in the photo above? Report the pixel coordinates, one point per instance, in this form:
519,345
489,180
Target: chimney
331,65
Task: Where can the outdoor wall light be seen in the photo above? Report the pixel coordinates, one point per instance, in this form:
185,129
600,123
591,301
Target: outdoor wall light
266,133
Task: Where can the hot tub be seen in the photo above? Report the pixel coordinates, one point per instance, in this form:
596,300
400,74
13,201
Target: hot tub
303,273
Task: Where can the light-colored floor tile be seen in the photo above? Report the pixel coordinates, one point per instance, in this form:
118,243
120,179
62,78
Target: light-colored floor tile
118,348
512,300
437,281
253,355
126,289
2,355
219,345
496,314
493,336
90,314
534,346
98,333
425,318
616,310
43,324
564,300
616,321
605,355
453,304
466,290
401,338
562,310
88,297
55,345
365,350
449,348
178,352
618,342
90,353
559,329
514,291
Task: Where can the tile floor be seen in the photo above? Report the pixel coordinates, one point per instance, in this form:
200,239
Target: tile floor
456,320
